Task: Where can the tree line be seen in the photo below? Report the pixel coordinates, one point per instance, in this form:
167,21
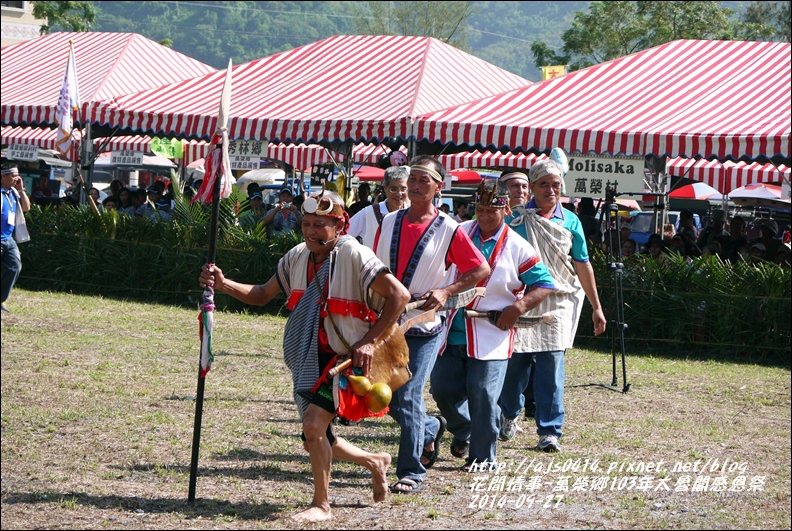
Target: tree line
517,36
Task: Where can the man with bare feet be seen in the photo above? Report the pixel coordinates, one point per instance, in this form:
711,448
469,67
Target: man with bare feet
358,301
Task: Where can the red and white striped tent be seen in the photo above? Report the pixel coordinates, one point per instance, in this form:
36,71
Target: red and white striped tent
485,159
193,149
303,157
45,138
346,88
109,65
726,176
33,136
691,98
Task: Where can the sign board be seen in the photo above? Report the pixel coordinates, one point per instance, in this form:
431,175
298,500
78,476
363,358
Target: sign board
170,148
254,148
786,192
239,162
589,176
126,157
320,173
22,152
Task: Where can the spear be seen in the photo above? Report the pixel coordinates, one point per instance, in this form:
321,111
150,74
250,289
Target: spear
216,184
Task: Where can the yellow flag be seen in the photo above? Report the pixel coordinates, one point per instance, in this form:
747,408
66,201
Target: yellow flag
552,72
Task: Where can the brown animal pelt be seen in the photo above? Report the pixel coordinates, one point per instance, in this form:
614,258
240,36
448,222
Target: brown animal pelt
391,357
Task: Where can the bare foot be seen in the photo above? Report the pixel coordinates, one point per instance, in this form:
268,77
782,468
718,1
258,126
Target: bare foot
312,515
379,476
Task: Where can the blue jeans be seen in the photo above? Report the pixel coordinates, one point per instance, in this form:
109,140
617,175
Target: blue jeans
466,391
12,265
408,409
548,389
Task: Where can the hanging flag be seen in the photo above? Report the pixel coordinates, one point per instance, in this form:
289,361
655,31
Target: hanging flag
217,165
552,72
205,325
68,101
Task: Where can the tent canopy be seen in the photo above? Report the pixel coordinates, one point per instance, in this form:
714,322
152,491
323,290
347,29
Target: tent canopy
41,137
684,98
108,65
726,176
346,88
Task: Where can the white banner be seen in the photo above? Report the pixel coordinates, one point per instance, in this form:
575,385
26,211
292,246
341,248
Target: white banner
22,152
241,148
126,157
244,163
589,176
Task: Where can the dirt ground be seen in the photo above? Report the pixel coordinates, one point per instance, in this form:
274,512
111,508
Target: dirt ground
97,434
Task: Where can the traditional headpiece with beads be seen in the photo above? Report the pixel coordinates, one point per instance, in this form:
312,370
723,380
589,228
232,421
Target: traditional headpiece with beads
492,193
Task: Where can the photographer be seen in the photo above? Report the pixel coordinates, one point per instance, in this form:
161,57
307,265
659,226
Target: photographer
284,217
379,194
363,200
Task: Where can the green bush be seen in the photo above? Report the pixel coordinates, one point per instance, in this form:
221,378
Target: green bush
702,305
116,255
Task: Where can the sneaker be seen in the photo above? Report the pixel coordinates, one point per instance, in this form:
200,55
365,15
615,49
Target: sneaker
5,309
508,429
549,443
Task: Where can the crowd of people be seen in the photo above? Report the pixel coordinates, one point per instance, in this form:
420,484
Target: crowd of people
351,278
729,239
156,203
348,281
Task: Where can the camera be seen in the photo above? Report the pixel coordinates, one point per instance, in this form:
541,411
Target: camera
379,193
286,206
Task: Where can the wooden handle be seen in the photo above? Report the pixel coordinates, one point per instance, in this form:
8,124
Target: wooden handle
414,305
344,365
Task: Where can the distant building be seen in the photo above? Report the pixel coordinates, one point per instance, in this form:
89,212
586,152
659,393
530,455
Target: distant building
18,23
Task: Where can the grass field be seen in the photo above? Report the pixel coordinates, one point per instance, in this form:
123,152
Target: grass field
97,426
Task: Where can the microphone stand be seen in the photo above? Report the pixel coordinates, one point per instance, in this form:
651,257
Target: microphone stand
618,326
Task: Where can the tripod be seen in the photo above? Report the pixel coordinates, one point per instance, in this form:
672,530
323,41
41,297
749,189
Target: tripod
617,268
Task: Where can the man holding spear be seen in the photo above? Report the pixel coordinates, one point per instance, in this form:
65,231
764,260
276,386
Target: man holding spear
359,301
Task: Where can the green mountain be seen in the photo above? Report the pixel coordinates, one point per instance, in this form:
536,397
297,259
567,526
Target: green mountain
213,32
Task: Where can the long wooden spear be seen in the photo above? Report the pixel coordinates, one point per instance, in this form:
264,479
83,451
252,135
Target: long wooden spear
216,184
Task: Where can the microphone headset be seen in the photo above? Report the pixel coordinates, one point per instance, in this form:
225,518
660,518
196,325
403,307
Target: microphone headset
323,243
